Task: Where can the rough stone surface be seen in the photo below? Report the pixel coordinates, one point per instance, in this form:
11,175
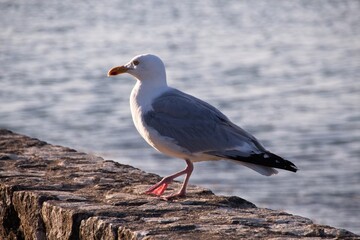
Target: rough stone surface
54,192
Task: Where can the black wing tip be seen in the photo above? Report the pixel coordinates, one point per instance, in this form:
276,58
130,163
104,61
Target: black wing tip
285,164
272,160
292,168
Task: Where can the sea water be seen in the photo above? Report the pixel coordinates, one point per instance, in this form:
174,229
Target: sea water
286,71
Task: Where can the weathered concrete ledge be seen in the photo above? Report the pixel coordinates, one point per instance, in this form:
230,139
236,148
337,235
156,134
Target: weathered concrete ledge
54,192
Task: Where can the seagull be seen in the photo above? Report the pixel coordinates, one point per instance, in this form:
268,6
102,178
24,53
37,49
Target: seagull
182,126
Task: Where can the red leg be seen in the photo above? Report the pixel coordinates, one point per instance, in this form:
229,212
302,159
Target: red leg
182,191
159,188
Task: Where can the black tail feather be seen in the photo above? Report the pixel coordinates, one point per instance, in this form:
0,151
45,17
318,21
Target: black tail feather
267,159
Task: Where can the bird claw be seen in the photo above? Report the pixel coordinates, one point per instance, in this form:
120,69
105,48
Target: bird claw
157,190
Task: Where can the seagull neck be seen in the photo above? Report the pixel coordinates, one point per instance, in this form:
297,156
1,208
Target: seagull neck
152,83
145,91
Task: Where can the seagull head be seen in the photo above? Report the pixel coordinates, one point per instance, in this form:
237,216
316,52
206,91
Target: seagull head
143,67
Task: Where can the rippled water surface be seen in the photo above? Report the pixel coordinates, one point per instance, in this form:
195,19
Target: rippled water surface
287,71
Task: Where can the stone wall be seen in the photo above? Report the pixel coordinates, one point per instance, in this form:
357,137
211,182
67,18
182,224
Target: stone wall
54,192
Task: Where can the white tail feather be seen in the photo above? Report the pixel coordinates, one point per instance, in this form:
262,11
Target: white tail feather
267,171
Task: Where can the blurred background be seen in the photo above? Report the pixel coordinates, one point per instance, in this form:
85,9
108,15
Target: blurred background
286,71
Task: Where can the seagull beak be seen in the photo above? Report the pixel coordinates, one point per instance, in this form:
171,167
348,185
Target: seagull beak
117,70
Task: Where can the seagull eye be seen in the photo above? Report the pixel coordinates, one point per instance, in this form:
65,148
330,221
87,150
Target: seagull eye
136,62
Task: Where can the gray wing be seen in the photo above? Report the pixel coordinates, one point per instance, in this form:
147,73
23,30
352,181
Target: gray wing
195,125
